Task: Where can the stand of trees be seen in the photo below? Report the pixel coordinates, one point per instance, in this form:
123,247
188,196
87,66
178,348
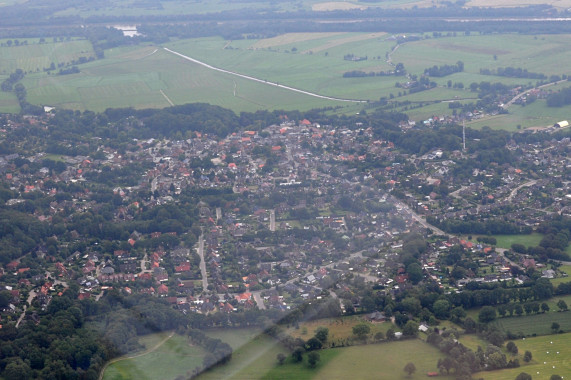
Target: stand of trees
444,70
560,99
513,72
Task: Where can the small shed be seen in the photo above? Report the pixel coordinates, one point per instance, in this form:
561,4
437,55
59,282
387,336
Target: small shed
561,124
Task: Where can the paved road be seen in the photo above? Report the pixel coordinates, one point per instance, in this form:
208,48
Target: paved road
31,297
259,301
502,251
525,92
418,218
514,191
272,220
202,262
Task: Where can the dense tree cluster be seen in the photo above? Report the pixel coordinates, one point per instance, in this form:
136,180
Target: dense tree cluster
560,98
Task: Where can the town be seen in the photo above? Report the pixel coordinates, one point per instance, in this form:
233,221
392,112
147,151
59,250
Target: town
289,213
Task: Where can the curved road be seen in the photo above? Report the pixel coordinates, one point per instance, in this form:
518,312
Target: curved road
263,81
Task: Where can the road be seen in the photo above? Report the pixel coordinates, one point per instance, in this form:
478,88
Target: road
514,191
202,262
526,92
263,81
502,251
259,301
31,297
417,217
272,220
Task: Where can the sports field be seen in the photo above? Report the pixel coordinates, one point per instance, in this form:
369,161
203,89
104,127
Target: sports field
506,241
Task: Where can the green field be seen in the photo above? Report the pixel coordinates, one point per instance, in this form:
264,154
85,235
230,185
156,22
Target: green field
35,56
173,358
548,352
250,360
150,77
8,102
257,360
382,361
539,324
506,241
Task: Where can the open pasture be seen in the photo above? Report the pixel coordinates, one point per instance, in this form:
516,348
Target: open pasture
539,324
550,357
382,361
35,56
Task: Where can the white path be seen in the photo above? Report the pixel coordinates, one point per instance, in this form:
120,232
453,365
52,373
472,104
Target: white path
263,81
167,98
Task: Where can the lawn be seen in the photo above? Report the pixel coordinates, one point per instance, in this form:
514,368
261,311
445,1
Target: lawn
539,324
559,280
173,358
550,356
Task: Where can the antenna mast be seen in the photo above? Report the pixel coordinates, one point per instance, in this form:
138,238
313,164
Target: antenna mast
464,135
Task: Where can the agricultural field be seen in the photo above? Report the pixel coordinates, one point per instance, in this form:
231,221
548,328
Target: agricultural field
167,359
34,57
550,356
8,102
151,77
539,324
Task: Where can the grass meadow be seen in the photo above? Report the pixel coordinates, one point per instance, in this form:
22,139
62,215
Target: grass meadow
539,324
173,358
550,354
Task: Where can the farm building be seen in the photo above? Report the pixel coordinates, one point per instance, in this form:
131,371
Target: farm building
561,124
